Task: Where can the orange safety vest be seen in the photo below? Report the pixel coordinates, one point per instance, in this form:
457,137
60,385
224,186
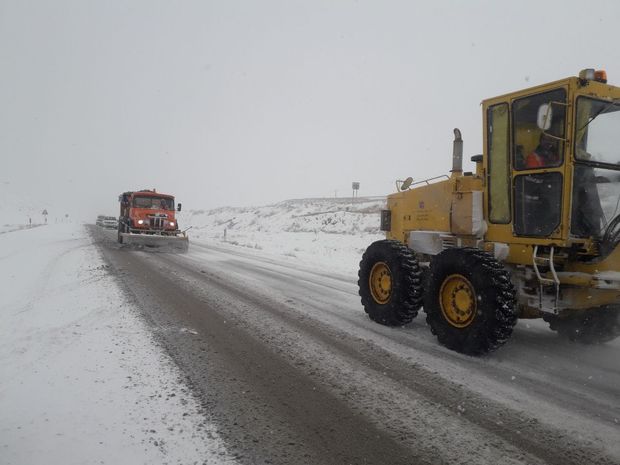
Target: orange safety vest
534,160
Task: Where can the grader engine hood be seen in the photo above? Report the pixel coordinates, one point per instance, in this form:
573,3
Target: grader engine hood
466,219
429,216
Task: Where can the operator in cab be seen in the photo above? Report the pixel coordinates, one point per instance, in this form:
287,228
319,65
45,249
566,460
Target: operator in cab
544,155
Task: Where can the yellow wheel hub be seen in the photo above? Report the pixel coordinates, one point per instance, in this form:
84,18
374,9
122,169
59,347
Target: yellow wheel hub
458,301
380,283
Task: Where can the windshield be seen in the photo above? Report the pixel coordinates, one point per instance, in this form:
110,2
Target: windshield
598,122
154,203
596,188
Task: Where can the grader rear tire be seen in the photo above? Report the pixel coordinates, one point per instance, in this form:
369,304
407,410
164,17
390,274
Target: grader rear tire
390,283
469,301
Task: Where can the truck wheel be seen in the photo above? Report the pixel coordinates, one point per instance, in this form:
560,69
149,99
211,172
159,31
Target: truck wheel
594,326
469,301
390,283
120,230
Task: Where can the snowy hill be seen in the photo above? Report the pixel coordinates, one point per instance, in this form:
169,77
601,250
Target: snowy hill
320,232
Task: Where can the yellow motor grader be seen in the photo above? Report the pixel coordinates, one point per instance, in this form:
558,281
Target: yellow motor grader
534,232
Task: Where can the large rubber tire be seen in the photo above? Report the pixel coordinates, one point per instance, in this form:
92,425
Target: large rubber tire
469,301
594,326
390,283
120,230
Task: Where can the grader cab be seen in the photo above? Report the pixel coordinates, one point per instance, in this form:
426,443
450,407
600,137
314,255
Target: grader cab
534,232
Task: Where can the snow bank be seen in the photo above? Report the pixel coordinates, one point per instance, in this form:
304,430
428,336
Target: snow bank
82,381
319,232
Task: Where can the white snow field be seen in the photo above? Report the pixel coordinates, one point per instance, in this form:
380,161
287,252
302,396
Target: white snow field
81,379
329,233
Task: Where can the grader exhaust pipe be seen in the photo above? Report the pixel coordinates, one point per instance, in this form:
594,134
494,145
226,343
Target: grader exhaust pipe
457,152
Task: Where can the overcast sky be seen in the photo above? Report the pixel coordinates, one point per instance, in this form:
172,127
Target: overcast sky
252,102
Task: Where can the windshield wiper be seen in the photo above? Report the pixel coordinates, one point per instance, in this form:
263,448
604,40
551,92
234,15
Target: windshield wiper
602,110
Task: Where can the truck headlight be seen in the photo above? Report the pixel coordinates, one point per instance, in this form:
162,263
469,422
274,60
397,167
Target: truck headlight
172,224
140,221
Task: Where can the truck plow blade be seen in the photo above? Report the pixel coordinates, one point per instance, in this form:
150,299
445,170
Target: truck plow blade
156,243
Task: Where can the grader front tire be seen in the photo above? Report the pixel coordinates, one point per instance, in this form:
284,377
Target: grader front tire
469,301
390,283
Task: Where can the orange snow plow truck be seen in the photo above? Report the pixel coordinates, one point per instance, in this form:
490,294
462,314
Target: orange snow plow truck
147,220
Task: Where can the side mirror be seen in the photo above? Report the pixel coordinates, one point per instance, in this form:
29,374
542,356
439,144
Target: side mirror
545,116
179,207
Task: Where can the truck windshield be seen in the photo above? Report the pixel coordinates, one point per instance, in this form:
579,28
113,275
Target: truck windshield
596,180
153,203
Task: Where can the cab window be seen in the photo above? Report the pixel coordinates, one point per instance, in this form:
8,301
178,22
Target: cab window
538,204
499,165
536,145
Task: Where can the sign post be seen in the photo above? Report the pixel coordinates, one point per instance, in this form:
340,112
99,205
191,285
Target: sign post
356,188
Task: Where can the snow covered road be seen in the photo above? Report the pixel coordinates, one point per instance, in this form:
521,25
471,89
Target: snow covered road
81,379
290,370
